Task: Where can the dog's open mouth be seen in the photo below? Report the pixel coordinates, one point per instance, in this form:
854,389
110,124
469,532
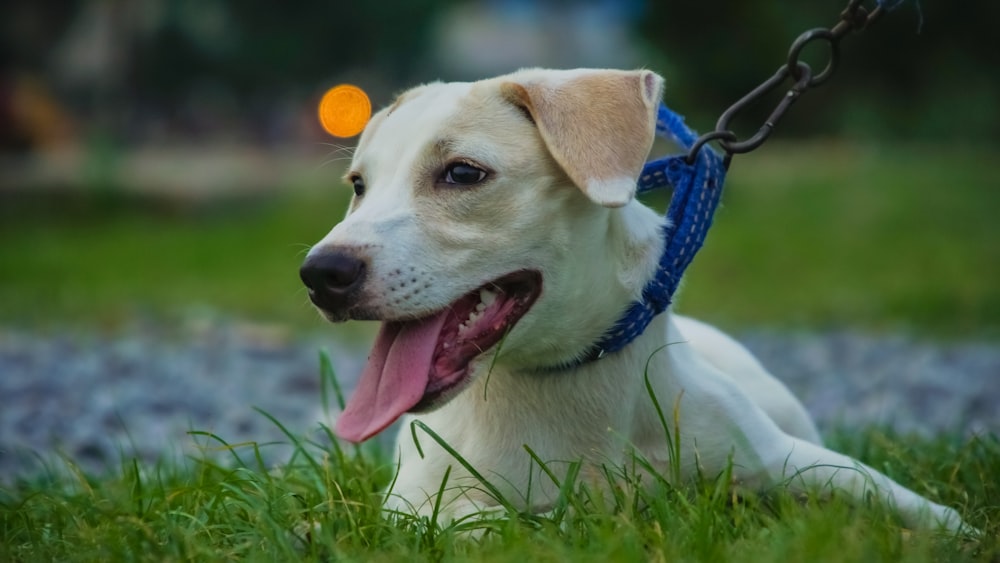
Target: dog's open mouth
415,363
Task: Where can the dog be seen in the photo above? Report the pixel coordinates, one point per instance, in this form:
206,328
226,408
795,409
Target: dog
494,233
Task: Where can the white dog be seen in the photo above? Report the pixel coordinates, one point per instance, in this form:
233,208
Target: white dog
494,233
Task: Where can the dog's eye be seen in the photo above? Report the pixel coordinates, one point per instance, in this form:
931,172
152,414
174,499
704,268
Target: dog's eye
359,186
463,174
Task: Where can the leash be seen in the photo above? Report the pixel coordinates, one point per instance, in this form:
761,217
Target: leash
697,175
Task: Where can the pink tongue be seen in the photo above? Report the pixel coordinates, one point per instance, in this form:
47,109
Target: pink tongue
394,379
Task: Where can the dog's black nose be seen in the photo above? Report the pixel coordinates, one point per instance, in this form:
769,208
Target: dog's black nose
331,276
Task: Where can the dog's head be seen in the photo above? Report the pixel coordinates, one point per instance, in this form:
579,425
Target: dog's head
491,223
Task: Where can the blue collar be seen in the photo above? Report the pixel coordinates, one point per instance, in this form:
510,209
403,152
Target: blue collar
697,183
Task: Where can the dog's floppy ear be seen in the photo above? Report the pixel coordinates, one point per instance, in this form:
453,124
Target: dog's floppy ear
599,125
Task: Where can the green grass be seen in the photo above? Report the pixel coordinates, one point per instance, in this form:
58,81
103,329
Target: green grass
818,234
202,510
89,264
876,238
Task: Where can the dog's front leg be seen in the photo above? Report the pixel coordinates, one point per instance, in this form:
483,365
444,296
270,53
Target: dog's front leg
443,509
808,467
716,415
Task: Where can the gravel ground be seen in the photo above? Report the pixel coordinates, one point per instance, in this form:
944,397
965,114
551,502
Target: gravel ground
139,392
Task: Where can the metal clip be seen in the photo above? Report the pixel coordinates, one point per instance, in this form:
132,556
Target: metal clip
855,17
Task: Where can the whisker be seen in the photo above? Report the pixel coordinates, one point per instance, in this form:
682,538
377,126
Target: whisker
338,154
305,248
341,149
330,161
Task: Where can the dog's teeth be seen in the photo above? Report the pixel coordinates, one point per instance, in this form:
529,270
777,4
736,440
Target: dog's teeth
487,297
465,326
480,307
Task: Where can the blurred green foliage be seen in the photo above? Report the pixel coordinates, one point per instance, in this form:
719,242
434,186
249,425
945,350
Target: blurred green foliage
258,48
926,70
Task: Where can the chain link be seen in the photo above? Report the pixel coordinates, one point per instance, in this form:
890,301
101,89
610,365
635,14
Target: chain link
855,17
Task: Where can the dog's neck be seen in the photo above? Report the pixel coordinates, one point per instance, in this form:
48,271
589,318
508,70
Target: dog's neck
636,240
696,179
632,245
540,400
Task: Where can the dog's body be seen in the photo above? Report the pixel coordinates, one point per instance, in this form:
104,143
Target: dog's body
494,232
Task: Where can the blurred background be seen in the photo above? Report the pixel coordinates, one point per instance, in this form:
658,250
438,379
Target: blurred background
162,173
161,159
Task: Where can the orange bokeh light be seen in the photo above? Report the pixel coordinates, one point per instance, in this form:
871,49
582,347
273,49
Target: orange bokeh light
344,110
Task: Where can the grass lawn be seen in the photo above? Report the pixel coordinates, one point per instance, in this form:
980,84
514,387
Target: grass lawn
809,235
204,511
812,235
877,238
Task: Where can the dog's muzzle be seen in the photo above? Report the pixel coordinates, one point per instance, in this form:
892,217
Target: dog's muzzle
334,279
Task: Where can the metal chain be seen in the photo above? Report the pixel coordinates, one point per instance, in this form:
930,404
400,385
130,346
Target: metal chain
855,17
